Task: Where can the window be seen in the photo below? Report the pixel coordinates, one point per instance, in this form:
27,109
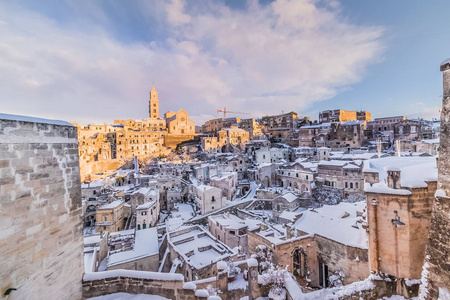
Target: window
346,184
232,232
212,199
144,213
278,207
323,275
351,185
356,185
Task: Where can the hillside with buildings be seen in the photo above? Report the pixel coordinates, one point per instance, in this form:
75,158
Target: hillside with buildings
280,207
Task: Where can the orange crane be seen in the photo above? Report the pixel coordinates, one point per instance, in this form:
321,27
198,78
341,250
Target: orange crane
225,112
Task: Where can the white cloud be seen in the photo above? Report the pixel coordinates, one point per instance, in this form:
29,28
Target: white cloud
265,59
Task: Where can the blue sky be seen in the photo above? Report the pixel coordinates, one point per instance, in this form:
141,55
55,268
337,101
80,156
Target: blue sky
95,61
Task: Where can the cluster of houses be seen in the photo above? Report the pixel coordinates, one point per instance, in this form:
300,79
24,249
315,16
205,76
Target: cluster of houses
320,213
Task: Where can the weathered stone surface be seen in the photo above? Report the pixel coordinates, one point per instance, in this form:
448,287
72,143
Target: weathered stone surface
438,248
41,256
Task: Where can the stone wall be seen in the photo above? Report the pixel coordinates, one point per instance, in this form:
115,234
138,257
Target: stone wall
133,284
436,275
169,285
172,140
41,242
352,261
148,263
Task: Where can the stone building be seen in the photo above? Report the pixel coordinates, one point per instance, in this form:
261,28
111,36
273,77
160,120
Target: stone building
41,231
232,137
343,176
346,134
252,127
314,135
229,229
298,177
286,202
383,128
436,270
280,126
215,125
179,128
194,253
408,130
144,255
147,215
340,115
227,182
271,155
110,217
324,242
398,215
208,198
427,146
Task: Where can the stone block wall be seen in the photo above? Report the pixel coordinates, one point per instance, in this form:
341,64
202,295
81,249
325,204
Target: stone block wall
41,242
436,274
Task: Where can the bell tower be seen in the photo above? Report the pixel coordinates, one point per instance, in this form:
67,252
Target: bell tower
154,104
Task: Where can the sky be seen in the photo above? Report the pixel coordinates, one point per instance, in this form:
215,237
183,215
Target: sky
95,61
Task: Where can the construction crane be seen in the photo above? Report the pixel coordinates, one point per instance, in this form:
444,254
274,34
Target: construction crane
225,112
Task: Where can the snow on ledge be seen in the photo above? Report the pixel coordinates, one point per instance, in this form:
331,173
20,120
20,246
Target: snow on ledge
252,262
441,194
202,293
33,120
132,274
447,61
382,188
189,286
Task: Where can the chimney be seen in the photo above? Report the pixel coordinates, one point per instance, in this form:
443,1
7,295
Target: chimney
393,178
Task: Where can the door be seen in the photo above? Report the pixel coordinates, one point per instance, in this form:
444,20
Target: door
323,275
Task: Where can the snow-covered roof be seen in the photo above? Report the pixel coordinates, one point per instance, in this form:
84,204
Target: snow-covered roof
112,205
339,163
290,197
351,166
229,221
415,171
92,239
33,120
316,126
145,244
184,242
328,222
353,123
146,205
289,215
204,187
